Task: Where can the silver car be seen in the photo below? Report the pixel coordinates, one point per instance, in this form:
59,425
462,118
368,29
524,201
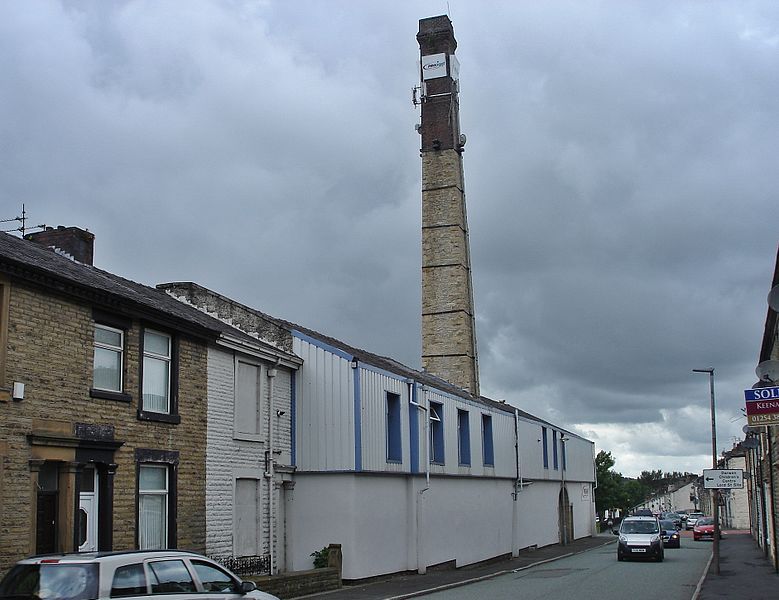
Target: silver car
174,574
692,518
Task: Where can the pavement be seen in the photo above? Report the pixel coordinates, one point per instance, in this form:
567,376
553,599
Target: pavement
745,573
410,585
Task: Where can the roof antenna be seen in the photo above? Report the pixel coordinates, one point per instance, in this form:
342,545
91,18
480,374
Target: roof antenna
23,221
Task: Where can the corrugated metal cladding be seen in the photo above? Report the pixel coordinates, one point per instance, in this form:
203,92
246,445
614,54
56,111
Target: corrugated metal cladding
578,452
502,433
374,388
325,410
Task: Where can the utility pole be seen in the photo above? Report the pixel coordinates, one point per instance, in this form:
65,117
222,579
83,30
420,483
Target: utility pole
715,491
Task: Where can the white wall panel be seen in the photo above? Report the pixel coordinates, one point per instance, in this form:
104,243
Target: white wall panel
324,410
374,387
466,520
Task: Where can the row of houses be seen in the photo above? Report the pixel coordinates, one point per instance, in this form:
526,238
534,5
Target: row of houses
760,447
174,417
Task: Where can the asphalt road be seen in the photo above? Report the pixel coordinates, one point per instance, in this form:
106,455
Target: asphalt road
596,574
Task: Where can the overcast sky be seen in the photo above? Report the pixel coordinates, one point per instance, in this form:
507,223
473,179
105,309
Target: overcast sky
621,178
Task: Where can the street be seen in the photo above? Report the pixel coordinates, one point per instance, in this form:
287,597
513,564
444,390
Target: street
597,574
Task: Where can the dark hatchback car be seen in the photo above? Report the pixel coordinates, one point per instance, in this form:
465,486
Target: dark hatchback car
670,534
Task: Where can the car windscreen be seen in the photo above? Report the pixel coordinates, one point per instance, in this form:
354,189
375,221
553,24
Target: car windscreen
57,581
639,527
667,525
705,521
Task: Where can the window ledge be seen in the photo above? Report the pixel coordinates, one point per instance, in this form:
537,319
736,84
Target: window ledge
248,437
109,395
392,461
145,415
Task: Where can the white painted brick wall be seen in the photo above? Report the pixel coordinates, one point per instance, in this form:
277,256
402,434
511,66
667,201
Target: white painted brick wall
228,458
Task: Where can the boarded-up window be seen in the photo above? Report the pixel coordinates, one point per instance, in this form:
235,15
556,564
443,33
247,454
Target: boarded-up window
248,387
246,531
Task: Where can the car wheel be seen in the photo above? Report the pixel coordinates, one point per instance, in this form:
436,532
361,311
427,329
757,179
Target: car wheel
620,558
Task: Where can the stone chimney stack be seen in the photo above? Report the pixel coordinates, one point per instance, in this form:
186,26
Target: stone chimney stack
76,243
448,324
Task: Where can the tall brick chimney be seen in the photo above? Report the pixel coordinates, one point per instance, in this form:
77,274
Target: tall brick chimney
77,243
448,324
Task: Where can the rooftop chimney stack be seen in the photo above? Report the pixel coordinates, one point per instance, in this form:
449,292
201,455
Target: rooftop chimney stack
76,243
448,324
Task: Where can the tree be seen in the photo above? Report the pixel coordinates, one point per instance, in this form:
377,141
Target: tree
608,494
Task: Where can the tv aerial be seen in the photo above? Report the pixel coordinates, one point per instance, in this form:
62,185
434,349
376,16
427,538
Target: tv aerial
768,370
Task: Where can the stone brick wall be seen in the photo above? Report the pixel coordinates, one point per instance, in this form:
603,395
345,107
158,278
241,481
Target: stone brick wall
448,333
50,349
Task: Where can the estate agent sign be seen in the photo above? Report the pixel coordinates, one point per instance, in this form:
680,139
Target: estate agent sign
762,406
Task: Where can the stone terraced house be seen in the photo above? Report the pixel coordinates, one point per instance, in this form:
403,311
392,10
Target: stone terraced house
104,388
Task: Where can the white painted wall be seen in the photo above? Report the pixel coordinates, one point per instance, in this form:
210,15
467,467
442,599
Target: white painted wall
465,520
324,410
228,458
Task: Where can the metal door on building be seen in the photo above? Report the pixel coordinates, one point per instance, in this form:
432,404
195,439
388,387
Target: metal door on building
46,523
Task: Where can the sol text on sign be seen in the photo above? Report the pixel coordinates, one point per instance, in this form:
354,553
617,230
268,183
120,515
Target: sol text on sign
762,406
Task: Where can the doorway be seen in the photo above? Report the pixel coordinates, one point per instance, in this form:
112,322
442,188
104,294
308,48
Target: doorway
565,517
87,511
46,509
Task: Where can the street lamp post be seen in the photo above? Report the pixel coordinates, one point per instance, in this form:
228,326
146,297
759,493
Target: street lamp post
715,491
563,464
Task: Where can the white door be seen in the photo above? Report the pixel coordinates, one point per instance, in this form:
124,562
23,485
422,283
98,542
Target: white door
87,513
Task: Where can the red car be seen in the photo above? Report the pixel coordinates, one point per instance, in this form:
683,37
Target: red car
704,529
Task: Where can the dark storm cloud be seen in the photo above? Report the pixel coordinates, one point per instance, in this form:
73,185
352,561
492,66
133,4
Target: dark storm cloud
619,170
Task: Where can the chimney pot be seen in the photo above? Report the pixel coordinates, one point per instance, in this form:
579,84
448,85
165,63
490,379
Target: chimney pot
73,241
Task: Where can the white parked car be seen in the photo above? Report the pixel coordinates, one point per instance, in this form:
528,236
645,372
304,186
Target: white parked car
692,518
174,574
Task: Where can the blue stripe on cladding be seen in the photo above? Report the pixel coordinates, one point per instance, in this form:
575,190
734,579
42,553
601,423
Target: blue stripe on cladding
320,344
357,422
293,416
413,428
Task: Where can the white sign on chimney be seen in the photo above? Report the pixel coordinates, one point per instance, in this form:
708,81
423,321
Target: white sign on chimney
434,66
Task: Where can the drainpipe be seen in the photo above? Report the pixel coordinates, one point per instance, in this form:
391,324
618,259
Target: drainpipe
424,407
270,473
773,500
595,487
517,489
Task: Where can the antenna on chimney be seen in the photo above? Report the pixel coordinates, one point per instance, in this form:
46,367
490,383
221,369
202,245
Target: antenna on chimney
23,221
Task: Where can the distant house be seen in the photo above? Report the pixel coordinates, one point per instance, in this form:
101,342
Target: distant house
735,502
404,470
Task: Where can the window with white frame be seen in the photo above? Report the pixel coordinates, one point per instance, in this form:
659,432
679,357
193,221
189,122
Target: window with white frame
157,354
246,526
248,401
108,358
153,507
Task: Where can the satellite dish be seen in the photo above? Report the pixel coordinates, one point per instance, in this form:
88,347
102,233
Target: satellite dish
768,370
773,298
745,429
750,443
